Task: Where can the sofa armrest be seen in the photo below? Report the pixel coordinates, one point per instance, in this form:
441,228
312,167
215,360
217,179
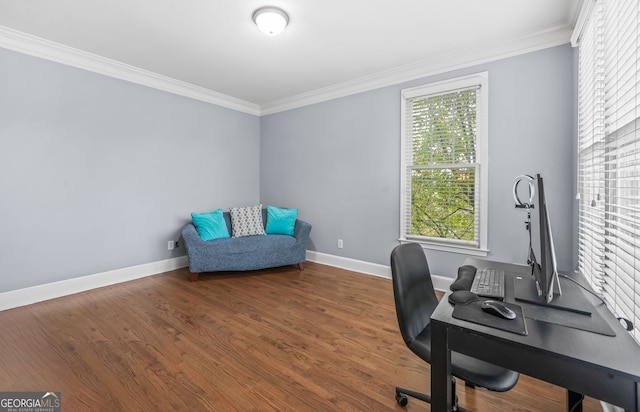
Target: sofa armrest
301,231
191,238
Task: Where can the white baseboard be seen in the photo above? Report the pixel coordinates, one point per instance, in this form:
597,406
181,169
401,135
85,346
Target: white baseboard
439,282
39,293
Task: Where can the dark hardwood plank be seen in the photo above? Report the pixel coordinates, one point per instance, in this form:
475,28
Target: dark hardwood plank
279,339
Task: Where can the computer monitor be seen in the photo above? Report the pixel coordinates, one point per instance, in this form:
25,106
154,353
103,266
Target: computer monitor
543,287
544,270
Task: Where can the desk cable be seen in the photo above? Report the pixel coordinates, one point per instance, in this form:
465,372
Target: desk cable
578,402
528,205
582,286
626,323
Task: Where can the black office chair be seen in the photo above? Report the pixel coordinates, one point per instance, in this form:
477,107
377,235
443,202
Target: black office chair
415,301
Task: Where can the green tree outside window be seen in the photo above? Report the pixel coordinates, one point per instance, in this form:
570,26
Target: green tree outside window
443,169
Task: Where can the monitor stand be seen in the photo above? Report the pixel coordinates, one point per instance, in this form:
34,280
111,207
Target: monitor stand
525,291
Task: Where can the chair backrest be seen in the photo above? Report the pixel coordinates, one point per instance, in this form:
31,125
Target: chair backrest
413,291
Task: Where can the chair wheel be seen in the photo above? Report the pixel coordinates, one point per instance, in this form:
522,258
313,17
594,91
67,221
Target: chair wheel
401,398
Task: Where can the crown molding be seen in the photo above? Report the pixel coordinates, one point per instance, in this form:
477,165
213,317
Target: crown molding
46,49
36,46
544,39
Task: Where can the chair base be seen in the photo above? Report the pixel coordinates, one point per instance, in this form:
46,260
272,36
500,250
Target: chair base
402,393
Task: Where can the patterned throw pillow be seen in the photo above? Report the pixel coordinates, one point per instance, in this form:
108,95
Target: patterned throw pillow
246,221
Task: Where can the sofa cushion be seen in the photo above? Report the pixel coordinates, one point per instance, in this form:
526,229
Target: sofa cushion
249,247
210,225
281,221
247,221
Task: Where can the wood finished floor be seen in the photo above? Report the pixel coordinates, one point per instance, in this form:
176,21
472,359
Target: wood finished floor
322,339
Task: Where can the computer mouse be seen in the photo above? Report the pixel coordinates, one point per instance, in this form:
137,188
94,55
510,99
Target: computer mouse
498,309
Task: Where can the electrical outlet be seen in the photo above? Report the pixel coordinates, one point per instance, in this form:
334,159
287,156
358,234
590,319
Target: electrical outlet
171,245
340,244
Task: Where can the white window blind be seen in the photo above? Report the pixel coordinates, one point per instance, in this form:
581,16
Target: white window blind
609,155
442,152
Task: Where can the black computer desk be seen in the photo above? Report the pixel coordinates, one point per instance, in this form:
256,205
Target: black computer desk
585,363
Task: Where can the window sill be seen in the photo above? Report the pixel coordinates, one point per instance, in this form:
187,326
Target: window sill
462,249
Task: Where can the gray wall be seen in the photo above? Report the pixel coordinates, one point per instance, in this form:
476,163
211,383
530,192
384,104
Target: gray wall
339,161
97,174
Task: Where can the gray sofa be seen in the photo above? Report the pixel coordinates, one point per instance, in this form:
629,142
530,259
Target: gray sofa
245,253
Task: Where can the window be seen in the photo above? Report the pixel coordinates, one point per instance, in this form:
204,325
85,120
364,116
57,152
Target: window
443,171
609,154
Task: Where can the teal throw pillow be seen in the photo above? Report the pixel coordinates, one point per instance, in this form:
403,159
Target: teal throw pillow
210,225
281,221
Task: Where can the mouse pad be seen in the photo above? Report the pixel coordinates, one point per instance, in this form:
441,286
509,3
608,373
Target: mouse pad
472,312
573,297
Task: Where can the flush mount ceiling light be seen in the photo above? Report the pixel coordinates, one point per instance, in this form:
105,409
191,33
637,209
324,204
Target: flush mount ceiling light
271,20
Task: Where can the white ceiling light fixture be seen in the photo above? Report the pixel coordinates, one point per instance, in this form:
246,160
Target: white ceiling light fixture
271,20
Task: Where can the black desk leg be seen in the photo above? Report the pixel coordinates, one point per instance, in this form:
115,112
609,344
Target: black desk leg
574,401
440,369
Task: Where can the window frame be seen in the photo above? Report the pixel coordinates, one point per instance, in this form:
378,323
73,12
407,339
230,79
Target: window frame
480,80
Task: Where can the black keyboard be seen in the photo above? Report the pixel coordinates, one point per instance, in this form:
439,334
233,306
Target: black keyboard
489,283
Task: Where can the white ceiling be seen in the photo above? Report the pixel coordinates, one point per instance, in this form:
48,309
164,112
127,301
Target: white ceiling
328,45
